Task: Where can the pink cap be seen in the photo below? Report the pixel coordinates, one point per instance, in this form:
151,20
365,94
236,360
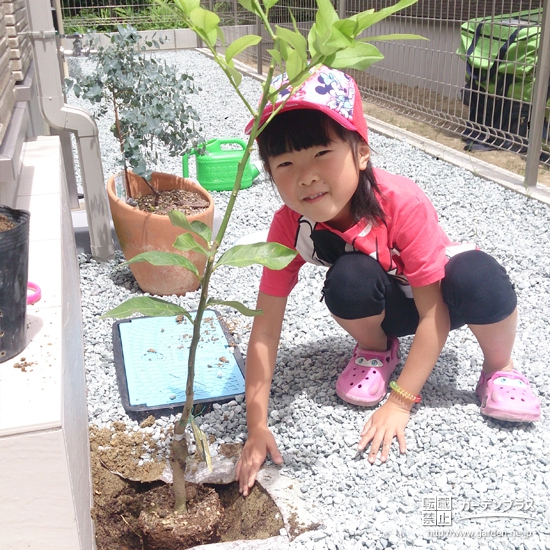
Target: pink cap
327,90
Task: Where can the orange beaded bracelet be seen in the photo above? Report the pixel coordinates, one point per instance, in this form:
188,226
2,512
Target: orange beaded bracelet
404,394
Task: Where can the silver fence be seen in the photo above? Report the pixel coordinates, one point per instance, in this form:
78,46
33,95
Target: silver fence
104,16
474,77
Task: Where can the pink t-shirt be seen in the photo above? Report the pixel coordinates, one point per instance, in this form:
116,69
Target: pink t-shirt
410,245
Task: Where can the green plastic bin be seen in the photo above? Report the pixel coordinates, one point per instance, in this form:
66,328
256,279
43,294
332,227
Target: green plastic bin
504,46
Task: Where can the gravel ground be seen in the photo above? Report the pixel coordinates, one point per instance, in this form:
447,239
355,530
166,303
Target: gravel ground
484,466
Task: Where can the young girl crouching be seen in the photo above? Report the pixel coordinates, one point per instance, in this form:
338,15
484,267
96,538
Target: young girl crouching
392,271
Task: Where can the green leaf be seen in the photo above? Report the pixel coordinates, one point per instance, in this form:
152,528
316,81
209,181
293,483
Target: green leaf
358,19
157,257
360,57
186,241
235,74
326,15
271,255
276,56
207,22
295,39
285,49
221,37
295,26
294,65
368,18
346,29
241,308
179,219
201,442
269,3
187,6
317,38
239,45
338,39
248,5
146,305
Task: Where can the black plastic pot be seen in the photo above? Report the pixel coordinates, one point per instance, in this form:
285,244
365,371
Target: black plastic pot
14,268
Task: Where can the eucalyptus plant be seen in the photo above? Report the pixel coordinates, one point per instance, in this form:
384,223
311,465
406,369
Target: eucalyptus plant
331,41
149,99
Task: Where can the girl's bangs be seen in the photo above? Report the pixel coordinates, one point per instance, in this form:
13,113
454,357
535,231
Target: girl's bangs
296,130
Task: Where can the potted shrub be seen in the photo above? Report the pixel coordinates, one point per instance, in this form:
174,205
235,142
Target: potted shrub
331,41
152,117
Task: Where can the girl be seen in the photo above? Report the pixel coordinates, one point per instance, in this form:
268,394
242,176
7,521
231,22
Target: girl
392,272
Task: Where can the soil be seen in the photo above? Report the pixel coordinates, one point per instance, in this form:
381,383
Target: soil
163,529
123,509
5,223
188,202
23,364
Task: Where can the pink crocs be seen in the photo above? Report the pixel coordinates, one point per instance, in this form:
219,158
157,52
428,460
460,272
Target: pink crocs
507,396
364,381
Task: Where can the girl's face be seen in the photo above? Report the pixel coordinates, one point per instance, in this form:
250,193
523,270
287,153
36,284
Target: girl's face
320,181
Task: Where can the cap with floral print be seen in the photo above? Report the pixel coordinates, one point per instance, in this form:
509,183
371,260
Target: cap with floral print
327,90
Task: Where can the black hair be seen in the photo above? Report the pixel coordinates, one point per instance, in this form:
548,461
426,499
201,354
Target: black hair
304,128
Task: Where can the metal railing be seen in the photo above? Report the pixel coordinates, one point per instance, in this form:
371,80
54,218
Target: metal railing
474,77
101,16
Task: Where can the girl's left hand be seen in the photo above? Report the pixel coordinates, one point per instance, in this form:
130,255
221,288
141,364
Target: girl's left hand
387,422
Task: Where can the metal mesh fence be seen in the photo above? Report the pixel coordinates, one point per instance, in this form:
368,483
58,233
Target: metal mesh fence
101,16
474,76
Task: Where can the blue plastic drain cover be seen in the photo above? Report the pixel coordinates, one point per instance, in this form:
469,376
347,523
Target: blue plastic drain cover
151,362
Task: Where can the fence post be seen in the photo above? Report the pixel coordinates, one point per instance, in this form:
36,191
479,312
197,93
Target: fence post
342,9
235,12
540,94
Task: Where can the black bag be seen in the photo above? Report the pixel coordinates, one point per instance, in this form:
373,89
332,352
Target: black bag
500,120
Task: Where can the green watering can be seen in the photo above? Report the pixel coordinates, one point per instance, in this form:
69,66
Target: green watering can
217,169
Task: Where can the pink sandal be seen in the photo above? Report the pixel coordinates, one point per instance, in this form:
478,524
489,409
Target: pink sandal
507,396
364,381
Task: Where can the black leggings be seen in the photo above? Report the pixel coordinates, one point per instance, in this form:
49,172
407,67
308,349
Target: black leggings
476,289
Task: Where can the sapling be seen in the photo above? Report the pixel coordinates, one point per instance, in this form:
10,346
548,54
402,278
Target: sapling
331,41
149,100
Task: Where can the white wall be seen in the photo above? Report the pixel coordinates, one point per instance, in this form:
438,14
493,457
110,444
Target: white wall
45,476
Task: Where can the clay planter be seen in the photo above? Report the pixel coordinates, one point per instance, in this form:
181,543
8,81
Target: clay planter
139,231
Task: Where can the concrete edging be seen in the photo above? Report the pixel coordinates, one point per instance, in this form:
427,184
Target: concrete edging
477,166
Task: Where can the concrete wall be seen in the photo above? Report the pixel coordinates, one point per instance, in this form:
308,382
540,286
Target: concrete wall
432,65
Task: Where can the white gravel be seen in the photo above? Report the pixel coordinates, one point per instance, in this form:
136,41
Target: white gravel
489,466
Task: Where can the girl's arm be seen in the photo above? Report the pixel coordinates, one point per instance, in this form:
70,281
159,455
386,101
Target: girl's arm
390,419
260,364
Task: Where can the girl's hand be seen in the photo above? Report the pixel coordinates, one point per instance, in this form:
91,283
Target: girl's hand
260,442
387,422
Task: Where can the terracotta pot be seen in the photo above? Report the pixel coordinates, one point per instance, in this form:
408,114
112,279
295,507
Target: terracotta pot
139,231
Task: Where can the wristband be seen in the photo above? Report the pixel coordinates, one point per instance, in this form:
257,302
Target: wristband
404,394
